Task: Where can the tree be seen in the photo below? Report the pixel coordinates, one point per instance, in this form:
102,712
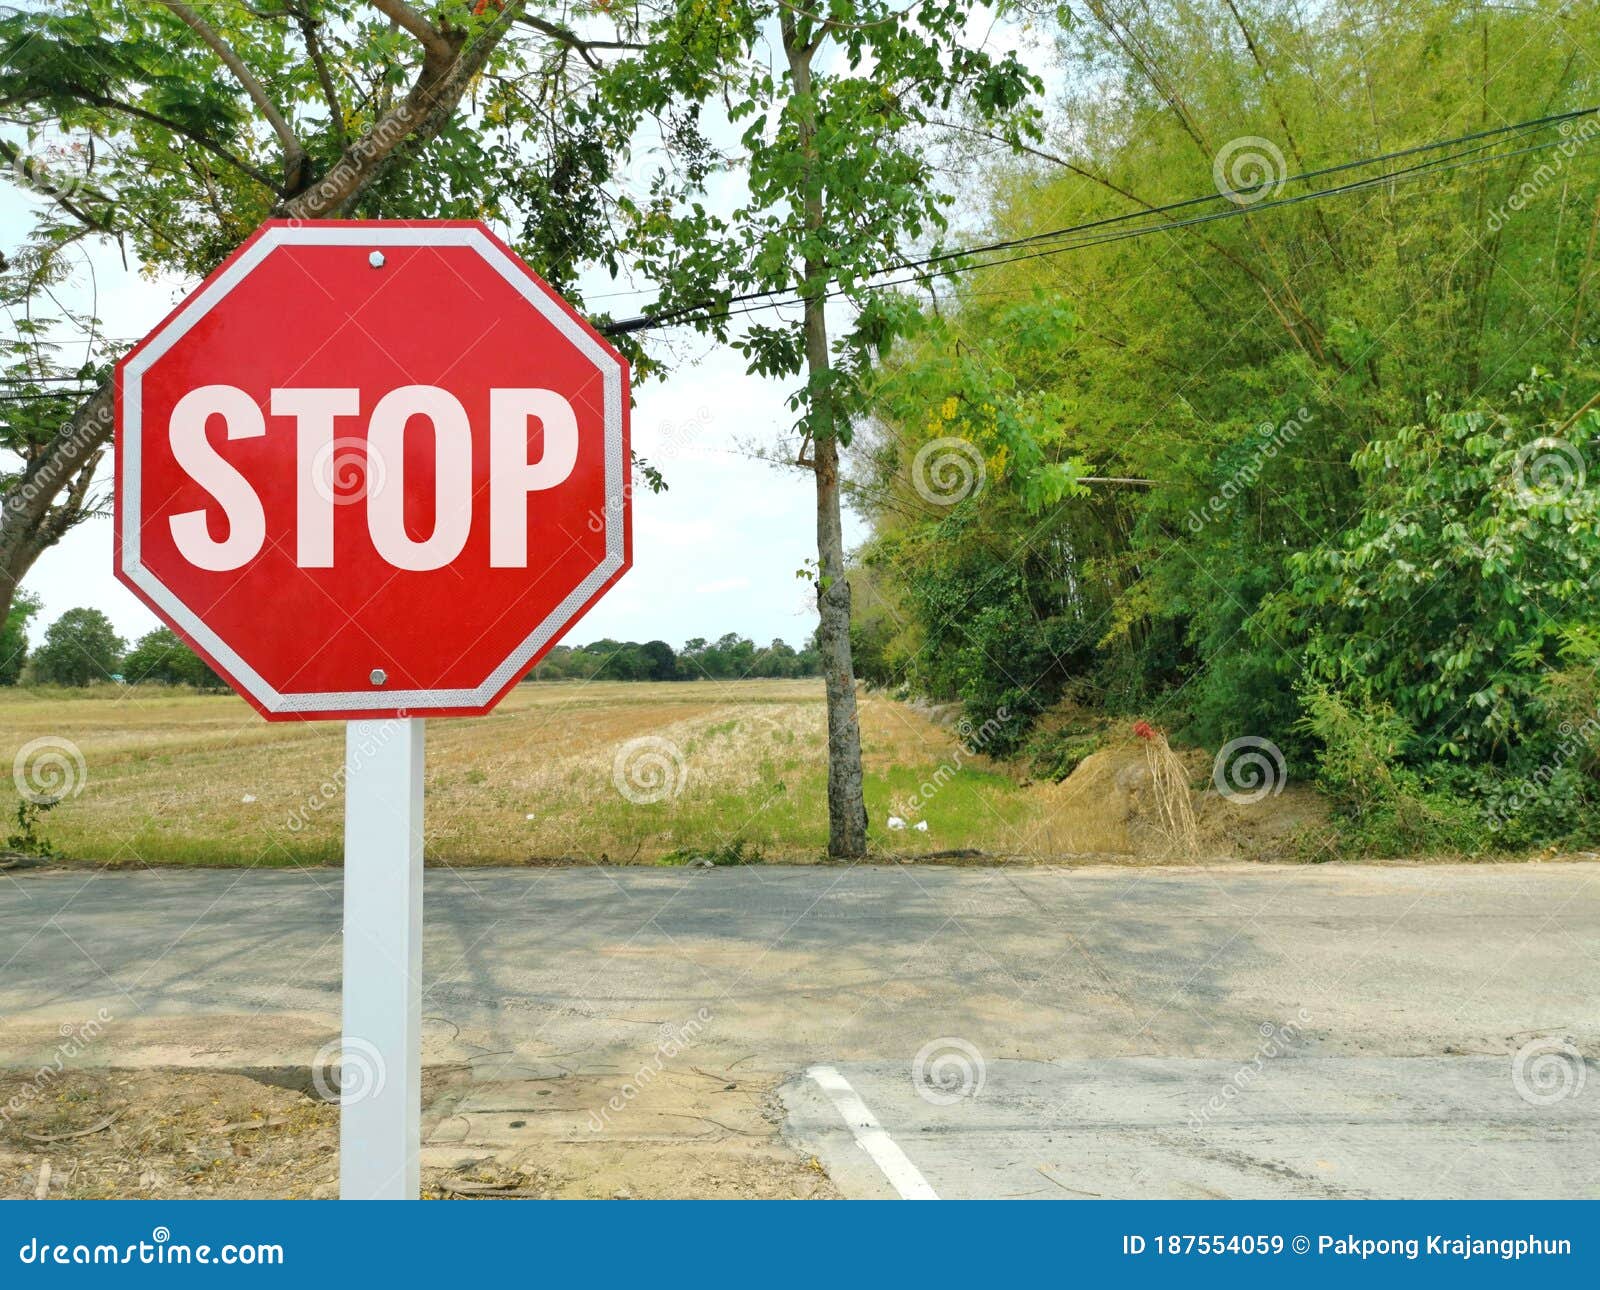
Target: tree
79,648
777,660
661,664
841,188
184,127
14,637
161,656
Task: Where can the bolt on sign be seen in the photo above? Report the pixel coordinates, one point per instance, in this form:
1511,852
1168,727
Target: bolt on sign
373,470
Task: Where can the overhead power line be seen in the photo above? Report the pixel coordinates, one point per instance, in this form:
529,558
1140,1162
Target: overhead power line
1111,228
1476,148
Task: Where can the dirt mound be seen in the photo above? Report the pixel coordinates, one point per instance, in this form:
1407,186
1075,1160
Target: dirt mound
1111,805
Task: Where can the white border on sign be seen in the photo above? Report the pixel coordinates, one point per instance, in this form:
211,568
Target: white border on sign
369,700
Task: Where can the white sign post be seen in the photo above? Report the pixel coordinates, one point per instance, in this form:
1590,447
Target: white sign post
380,1081
257,410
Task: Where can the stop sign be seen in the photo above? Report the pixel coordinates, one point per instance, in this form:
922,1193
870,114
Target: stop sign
372,469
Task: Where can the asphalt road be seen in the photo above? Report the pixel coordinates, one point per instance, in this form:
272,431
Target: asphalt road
1343,1030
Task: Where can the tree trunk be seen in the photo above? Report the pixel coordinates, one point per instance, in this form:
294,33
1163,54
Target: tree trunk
847,810
31,519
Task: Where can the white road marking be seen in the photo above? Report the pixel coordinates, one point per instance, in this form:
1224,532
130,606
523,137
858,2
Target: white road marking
871,1136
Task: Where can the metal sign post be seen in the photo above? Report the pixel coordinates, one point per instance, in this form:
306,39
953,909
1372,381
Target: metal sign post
380,1079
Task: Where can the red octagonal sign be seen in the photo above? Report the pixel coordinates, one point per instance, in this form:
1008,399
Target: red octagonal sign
372,469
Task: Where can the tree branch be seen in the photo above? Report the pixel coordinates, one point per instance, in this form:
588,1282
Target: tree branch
27,503
1232,257
294,156
415,119
178,128
428,36
330,91
573,41
74,508
38,179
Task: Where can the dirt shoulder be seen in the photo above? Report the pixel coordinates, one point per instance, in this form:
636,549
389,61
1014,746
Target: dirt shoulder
169,1133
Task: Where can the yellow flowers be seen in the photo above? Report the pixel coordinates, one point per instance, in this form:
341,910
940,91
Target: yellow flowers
943,415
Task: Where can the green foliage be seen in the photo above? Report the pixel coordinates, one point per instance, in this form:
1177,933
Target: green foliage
169,132
162,657
840,180
1055,754
992,630
27,839
1476,548
1386,808
42,378
723,854
1250,474
999,399
80,648
162,146
14,637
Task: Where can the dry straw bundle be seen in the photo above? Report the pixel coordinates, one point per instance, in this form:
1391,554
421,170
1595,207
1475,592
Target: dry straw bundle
1169,787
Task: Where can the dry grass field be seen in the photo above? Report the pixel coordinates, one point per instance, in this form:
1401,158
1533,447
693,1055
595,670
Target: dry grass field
627,772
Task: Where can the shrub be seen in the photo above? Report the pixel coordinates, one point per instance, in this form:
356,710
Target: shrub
1447,600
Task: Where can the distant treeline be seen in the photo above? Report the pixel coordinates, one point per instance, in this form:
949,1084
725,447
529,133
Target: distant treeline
82,648
726,658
